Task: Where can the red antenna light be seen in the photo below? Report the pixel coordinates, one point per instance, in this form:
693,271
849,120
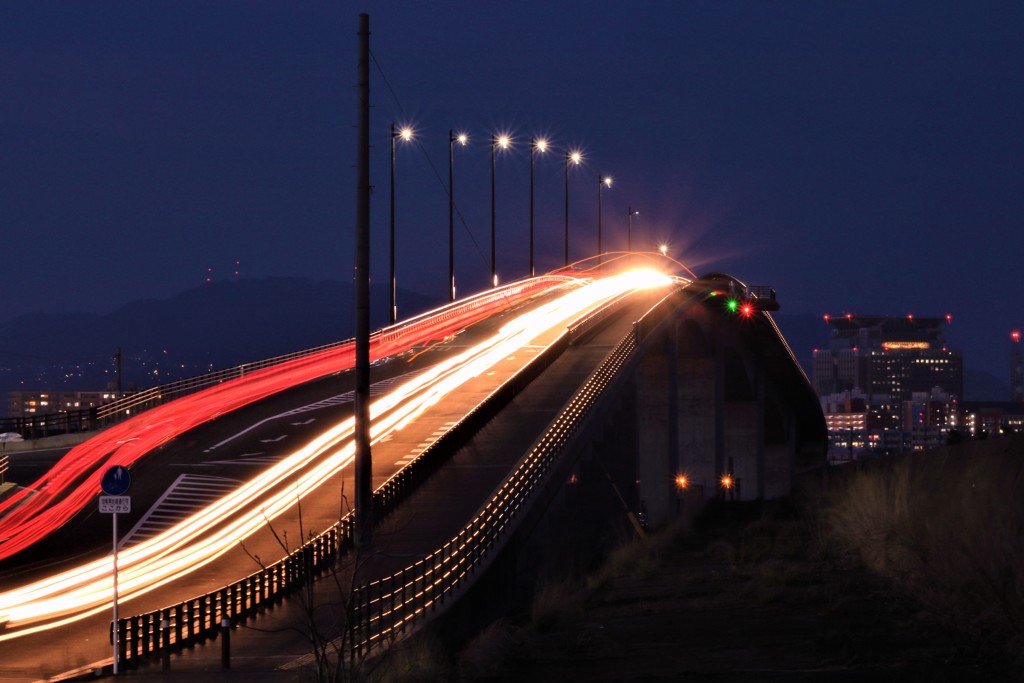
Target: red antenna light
1015,336
826,317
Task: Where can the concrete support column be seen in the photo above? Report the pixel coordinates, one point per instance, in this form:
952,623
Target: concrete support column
698,420
759,454
780,453
741,446
655,450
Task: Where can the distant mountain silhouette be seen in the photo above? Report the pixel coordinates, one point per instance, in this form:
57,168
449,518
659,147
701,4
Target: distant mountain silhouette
223,324
213,326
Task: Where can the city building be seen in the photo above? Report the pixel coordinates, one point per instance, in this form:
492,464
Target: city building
887,384
992,418
22,404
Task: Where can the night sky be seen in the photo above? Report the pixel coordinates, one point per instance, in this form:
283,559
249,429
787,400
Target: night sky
860,156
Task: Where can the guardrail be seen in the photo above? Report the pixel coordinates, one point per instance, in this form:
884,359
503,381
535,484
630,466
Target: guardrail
51,424
384,608
201,618
149,398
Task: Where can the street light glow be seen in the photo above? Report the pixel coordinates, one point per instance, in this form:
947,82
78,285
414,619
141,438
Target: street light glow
462,138
576,157
504,141
405,133
540,144
663,249
607,180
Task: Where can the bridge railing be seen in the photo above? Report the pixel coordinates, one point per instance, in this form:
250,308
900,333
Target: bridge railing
382,609
149,398
51,424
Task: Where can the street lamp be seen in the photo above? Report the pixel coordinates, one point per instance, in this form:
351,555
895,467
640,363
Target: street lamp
575,156
663,249
629,229
462,139
536,145
602,181
503,141
405,134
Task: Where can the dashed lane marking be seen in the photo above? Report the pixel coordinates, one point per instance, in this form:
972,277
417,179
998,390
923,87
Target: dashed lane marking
376,389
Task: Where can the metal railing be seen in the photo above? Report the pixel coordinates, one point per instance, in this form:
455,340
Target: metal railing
154,396
384,608
51,424
201,618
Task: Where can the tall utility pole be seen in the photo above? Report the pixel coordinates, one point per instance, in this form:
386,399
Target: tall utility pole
117,373
364,462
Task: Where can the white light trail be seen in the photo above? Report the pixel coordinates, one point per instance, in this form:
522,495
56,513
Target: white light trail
208,534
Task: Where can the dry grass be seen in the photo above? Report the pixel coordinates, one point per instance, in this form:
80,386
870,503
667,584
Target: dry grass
487,653
416,660
948,528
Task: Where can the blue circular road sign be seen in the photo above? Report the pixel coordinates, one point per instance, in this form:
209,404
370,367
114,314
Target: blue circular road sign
116,481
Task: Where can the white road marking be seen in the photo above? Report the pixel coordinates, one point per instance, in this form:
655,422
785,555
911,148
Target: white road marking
189,493
376,389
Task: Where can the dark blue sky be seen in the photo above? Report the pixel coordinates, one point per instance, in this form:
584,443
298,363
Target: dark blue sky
859,156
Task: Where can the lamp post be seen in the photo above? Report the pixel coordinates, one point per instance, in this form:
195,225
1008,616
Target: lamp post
575,157
536,145
502,141
629,229
406,134
602,181
461,138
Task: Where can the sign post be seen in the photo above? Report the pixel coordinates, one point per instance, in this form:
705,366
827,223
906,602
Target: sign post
115,483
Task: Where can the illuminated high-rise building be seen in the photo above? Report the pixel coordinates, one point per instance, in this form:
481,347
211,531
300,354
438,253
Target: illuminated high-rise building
892,356
911,380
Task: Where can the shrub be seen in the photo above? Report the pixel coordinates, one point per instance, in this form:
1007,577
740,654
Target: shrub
948,526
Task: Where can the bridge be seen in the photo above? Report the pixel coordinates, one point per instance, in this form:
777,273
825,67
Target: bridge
553,413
